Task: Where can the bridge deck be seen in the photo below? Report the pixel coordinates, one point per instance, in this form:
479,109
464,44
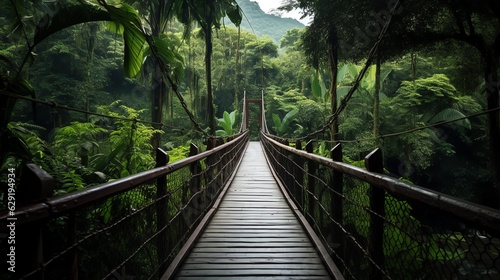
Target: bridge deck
254,234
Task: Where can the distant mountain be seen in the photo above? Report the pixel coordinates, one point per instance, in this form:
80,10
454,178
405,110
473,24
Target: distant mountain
265,24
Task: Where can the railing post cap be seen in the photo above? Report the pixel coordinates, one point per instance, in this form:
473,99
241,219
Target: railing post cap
298,145
336,152
162,157
310,146
36,184
193,149
374,161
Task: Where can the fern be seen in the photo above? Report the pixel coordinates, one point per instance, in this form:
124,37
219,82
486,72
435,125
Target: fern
71,181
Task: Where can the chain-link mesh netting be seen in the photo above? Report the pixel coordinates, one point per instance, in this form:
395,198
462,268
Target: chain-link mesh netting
405,239
137,233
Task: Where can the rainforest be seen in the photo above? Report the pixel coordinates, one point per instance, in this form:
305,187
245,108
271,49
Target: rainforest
91,88
52,52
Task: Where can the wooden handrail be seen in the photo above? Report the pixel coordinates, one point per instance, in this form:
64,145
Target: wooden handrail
56,206
477,214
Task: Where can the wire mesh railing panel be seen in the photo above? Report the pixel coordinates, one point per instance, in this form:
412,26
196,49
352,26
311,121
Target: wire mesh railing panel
436,245
100,241
377,227
130,228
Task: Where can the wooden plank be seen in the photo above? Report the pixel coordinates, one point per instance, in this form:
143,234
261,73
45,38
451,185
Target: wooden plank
253,272
253,235
254,260
246,266
254,250
254,278
253,227
262,256
254,231
223,245
254,239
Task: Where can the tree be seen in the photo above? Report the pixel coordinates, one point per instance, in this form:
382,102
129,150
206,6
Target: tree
321,37
474,24
209,14
32,29
419,25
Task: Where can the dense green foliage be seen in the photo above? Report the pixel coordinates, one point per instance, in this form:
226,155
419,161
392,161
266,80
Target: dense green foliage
93,64
142,66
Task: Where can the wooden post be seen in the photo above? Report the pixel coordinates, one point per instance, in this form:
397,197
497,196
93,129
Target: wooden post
299,176
287,177
194,183
210,170
35,186
311,182
336,206
162,246
374,163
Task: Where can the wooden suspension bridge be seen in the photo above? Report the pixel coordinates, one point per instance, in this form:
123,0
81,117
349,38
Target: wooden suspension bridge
249,210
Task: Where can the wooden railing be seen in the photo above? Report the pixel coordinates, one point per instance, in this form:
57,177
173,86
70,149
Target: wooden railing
379,227
128,228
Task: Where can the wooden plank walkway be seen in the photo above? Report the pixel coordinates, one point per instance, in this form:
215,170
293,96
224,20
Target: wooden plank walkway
254,234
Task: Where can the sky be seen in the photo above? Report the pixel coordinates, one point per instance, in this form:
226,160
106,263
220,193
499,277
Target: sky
269,5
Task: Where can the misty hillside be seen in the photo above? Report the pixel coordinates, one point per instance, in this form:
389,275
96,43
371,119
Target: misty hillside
265,24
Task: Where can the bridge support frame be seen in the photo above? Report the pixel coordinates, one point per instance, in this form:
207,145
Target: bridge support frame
259,101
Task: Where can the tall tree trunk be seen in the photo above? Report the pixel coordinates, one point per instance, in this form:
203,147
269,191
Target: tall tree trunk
159,86
237,72
333,60
492,90
159,90
376,103
208,67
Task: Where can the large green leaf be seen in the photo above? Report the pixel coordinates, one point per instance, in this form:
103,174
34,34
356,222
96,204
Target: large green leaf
342,92
287,119
318,86
353,70
69,16
232,117
133,36
167,55
368,81
449,115
342,73
233,12
277,123
227,122
281,126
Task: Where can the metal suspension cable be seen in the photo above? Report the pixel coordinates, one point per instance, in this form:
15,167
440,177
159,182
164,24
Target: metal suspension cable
371,56
416,129
172,84
244,116
174,87
260,51
263,116
54,104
